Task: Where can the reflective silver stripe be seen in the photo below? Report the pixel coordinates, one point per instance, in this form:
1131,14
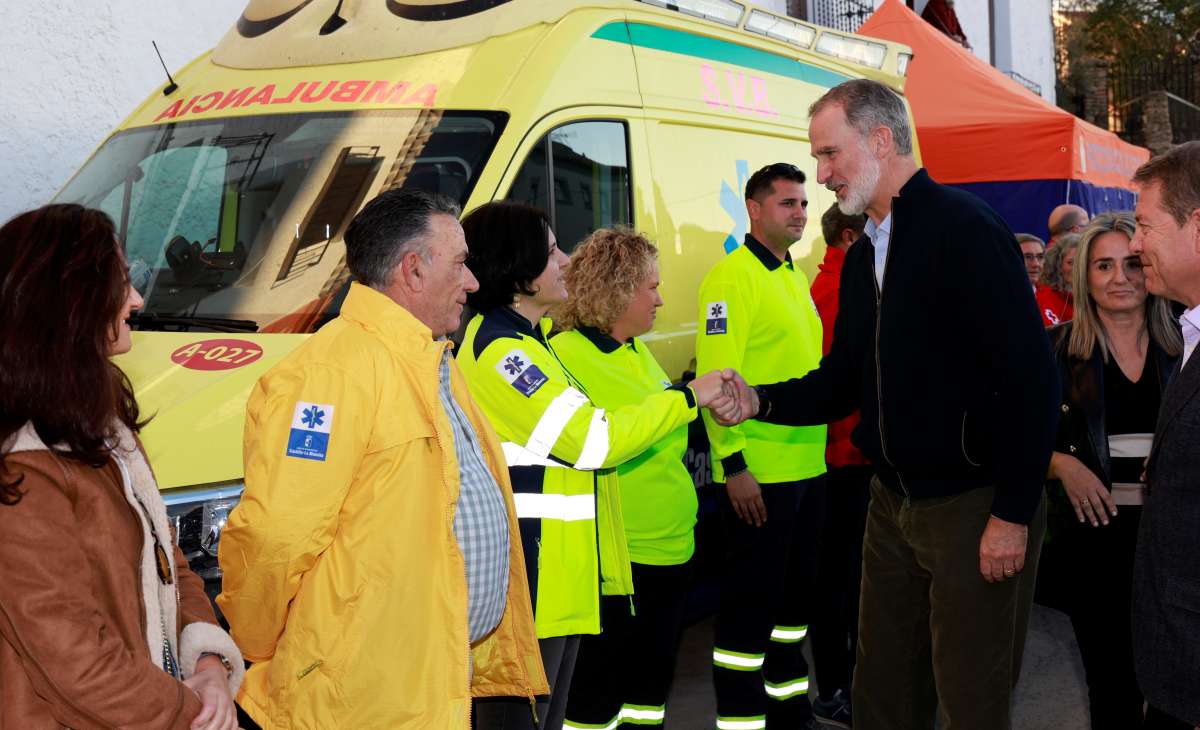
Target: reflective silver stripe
789,633
554,421
568,508
738,660
595,446
518,455
1130,445
755,723
644,713
787,689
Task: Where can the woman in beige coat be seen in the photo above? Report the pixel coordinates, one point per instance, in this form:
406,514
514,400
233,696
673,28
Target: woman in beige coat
102,624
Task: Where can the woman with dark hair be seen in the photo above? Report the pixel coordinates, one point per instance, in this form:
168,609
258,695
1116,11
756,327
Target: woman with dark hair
1114,360
560,447
102,623
625,673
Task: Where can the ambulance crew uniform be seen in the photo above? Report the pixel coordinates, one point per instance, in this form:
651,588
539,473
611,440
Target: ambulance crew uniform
757,317
622,677
561,452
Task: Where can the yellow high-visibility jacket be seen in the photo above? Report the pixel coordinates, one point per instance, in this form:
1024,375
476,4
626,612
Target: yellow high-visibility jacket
343,579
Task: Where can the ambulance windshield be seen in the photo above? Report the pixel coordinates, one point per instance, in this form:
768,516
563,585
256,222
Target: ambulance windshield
242,218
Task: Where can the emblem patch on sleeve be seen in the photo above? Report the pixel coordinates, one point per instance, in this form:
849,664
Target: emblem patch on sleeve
312,423
716,318
521,373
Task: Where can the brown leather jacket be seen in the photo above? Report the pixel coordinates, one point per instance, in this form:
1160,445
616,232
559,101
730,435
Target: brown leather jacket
73,634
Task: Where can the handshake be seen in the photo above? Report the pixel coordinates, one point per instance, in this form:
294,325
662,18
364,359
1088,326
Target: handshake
726,395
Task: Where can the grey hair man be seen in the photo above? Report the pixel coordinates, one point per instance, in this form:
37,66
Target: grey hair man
1033,251
378,519
1166,578
960,430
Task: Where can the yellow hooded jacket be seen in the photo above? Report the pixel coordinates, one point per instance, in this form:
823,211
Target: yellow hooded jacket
343,580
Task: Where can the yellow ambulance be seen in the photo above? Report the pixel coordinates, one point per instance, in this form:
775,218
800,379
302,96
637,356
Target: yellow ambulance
232,190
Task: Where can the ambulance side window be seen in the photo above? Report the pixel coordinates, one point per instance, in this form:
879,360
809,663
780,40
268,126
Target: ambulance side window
589,164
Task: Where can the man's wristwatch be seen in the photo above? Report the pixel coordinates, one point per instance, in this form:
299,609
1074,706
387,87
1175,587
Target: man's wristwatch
764,402
221,658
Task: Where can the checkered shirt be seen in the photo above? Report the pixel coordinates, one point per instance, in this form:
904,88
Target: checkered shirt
480,521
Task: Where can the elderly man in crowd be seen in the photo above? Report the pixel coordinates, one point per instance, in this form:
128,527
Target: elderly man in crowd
960,431
1033,251
1166,580
1065,219
373,569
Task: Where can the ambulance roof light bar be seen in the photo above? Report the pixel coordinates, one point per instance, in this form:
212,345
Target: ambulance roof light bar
852,49
782,29
725,12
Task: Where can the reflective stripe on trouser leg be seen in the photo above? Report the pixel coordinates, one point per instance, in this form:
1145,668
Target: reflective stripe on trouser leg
611,725
737,661
643,715
789,634
787,690
754,722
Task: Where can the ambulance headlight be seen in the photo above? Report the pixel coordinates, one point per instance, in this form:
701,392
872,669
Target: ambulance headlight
198,517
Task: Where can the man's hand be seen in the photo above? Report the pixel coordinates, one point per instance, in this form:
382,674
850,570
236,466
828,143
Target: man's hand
211,685
1002,549
746,397
746,497
715,390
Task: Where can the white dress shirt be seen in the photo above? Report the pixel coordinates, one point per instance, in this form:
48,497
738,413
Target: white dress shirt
1190,320
881,236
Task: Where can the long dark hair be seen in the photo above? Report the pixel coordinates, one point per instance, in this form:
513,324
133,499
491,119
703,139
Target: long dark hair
63,283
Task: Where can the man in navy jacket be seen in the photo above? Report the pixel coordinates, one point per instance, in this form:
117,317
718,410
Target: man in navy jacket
939,342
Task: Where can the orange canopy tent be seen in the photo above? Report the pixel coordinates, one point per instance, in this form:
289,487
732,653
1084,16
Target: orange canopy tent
982,131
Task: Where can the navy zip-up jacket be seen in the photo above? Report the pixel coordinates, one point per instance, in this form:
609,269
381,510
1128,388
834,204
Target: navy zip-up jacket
949,363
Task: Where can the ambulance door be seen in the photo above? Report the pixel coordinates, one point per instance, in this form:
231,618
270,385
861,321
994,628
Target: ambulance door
580,166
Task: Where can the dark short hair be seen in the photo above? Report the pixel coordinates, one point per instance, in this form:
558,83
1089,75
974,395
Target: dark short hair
834,221
1178,174
762,182
387,228
506,251
868,105
63,286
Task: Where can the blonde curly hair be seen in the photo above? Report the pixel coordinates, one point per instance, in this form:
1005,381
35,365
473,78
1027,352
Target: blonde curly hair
605,271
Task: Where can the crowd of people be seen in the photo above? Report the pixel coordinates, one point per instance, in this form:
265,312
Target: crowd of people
501,535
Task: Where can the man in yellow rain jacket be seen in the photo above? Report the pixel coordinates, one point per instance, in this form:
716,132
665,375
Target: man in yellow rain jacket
373,569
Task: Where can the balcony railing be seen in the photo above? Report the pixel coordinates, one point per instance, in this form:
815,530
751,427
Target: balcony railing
1033,86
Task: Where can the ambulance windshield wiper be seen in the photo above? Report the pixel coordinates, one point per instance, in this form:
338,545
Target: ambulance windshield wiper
169,323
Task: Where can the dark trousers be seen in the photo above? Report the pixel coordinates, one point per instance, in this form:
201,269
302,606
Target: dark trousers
834,633
1156,719
505,713
626,671
1097,569
759,672
934,636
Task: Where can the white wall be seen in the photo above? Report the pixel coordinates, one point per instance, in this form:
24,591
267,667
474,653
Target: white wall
1024,37
69,72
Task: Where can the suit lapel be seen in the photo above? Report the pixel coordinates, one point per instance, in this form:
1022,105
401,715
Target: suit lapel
1178,394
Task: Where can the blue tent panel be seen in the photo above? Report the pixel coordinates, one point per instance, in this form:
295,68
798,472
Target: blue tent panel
1026,204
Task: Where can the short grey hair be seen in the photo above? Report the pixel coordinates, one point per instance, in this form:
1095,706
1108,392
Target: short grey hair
389,227
869,105
1030,238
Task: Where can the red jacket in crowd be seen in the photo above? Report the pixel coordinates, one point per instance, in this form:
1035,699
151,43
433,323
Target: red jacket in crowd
1056,307
839,452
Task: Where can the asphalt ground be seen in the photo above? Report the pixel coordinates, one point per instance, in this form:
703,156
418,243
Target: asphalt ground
1051,695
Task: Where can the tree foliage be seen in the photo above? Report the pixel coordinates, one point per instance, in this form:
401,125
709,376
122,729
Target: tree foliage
1131,31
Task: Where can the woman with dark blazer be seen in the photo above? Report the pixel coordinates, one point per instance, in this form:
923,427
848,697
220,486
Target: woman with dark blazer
1114,361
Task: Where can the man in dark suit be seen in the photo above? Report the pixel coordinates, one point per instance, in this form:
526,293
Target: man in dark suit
1166,580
